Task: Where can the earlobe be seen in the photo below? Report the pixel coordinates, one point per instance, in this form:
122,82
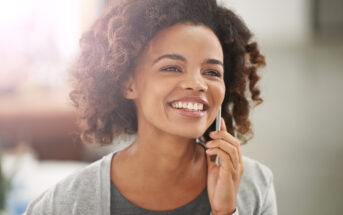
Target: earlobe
129,89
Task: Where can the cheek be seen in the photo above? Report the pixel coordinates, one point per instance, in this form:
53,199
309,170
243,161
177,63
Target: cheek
153,96
218,93
222,92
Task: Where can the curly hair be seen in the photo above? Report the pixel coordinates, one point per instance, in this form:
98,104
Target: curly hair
111,47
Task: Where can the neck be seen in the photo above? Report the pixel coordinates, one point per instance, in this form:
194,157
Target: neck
164,158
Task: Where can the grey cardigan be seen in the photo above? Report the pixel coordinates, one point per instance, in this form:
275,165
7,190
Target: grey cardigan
87,191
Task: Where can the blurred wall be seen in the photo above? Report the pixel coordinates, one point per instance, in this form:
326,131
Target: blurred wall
298,131
39,42
275,20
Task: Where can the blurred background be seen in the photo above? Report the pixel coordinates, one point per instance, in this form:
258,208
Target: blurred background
298,131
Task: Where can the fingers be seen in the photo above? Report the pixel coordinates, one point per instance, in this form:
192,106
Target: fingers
226,161
223,148
227,140
226,136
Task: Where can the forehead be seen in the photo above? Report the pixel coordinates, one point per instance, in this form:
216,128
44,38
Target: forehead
192,41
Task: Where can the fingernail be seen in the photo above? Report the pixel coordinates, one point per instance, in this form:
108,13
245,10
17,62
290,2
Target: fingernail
209,150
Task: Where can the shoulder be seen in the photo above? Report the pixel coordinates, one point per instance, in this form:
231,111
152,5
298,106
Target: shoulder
80,190
257,173
256,190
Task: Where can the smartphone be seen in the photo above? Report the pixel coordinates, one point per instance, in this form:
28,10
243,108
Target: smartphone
218,122
218,119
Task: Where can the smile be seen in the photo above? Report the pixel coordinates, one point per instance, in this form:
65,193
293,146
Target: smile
190,106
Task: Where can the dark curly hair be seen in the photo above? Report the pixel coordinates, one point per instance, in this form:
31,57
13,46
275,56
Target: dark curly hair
110,49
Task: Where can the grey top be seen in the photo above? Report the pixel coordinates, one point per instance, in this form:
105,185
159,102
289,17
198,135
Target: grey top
200,205
88,191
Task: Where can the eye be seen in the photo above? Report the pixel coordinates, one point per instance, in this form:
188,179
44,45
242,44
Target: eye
171,69
213,73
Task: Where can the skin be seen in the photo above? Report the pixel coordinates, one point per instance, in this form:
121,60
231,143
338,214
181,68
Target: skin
164,155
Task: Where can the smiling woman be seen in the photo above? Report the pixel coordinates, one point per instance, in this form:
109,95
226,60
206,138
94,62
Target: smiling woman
162,69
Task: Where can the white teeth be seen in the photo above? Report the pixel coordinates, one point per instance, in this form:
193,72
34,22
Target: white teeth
188,106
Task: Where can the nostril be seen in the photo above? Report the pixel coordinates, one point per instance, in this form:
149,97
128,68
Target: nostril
200,89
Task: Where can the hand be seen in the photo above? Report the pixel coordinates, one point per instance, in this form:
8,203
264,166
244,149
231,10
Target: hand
223,181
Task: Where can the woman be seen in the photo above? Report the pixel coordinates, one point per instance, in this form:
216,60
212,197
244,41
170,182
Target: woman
162,69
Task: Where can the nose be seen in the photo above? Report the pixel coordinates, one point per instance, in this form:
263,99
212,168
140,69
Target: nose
194,82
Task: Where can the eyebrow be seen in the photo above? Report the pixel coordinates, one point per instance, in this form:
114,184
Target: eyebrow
182,58
213,61
171,56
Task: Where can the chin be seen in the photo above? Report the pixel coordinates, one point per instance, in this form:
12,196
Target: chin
190,133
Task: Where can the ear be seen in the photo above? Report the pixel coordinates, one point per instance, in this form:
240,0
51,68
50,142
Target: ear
129,89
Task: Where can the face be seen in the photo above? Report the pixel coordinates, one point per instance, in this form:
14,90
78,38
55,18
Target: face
178,86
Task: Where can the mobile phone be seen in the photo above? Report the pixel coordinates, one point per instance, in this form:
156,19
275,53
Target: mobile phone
218,122
218,119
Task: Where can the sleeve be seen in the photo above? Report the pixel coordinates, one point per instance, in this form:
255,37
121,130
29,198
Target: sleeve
41,205
269,204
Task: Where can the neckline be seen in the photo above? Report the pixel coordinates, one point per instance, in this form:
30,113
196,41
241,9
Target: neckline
190,204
